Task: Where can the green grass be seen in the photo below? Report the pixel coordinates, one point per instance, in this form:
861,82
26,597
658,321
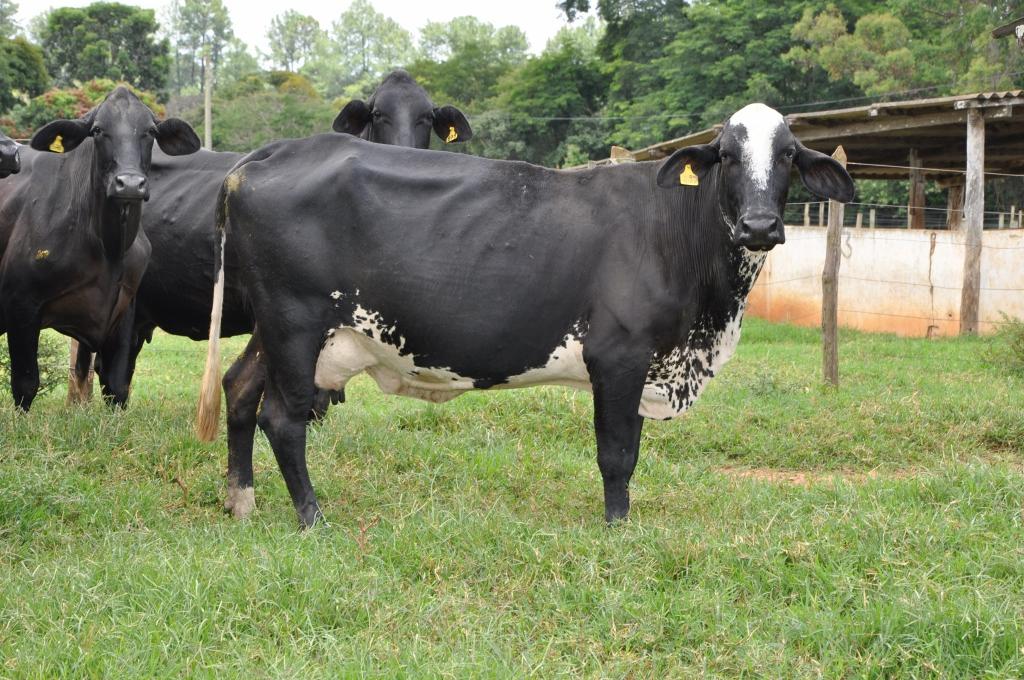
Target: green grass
466,539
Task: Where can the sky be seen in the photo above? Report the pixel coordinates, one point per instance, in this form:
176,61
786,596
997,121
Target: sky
539,19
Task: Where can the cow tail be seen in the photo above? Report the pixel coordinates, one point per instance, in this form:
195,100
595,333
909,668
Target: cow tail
208,410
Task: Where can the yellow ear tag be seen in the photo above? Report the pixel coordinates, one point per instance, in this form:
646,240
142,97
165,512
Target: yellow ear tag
57,146
688,178
452,135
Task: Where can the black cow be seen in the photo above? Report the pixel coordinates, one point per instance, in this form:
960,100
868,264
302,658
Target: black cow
72,250
440,273
175,293
400,112
10,157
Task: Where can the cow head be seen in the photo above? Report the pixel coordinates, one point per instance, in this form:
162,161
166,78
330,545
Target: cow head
401,113
10,159
123,130
754,155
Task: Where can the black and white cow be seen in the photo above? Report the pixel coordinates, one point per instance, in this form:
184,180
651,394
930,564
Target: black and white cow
10,157
72,250
176,291
440,273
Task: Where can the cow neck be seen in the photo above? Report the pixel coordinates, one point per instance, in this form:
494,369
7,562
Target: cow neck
116,223
694,241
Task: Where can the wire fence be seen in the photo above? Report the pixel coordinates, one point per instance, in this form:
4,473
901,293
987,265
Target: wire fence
892,216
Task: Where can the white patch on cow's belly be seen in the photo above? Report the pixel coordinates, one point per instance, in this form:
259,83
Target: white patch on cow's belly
350,350
565,367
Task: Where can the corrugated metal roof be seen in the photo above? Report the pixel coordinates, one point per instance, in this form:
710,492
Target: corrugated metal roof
884,131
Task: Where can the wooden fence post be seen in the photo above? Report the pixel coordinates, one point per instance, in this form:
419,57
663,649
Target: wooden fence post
973,223
79,391
807,214
830,286
915,208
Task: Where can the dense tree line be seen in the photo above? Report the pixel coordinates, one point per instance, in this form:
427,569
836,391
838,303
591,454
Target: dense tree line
628,72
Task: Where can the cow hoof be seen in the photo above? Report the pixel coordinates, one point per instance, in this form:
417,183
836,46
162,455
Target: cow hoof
240,502
616,515
310,516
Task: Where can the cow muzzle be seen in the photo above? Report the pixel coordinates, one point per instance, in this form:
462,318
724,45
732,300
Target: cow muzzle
760,232
10,161
129,187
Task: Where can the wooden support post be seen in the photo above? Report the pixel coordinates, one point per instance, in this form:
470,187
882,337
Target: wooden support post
955,206
871,218
207,101
1013,216
974,214
1002,220
807,214
79,392
830,287
915,206
821,214
860,220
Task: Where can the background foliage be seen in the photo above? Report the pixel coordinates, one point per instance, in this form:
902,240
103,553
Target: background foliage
626,72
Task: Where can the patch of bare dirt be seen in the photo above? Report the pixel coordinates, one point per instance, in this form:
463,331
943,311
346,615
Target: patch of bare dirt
808,477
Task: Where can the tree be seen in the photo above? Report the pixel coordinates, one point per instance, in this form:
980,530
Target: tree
292,36
548,104
105,40
200,28
8,26
22,71
462,60
363,45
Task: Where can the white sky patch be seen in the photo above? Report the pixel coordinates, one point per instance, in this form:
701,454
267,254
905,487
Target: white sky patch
539,19
761,123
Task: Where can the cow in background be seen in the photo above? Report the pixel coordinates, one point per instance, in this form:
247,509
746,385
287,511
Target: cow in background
176,292
10,157
72,245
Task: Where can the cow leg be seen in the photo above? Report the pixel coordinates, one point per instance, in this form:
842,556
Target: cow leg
23,347
618,387
287,399
115,366
243,389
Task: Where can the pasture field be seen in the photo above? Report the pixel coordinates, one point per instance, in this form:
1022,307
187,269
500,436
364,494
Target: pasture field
780,530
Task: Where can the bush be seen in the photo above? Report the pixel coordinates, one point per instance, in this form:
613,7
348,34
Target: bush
53,363
73,102
1006,348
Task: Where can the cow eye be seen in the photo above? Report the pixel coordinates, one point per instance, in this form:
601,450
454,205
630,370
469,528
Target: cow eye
788,154
97,131
725,156
376,114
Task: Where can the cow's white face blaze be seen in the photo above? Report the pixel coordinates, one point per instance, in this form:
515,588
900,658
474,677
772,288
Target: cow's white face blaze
749,165
761,125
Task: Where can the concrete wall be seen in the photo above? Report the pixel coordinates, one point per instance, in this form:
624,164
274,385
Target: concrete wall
891,280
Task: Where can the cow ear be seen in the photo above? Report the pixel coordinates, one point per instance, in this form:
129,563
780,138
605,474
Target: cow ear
353,118
823,175
451,125
176,137
689,165
62,135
